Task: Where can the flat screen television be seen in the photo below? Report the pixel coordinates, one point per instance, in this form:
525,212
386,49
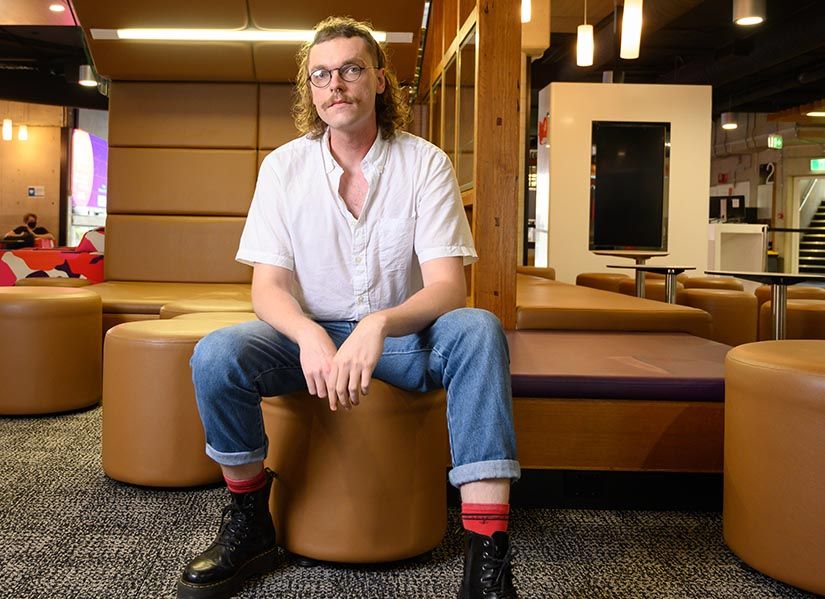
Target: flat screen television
629,175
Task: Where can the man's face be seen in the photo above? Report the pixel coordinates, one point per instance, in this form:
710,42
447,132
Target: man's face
31,222
343,105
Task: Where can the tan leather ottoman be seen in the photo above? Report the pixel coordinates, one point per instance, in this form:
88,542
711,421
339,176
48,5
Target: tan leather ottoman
607,281
654,289
712,283
152,434
360,486
773,516
50,356
733,312
805,319
227,318
763,293
190,306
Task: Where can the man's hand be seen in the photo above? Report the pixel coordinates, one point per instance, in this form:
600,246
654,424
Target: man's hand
317,351
352,367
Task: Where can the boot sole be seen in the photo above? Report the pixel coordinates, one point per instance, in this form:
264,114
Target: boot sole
260,564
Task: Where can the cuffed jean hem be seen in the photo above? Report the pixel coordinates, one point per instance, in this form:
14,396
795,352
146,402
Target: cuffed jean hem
240,458
476,471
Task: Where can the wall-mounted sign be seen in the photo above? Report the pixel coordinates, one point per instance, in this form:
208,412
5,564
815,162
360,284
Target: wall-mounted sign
818,165
775,141
36,191
544,130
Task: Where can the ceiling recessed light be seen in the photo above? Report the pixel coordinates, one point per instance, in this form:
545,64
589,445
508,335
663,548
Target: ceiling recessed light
86,76
748,12
728,121
55,7
815,113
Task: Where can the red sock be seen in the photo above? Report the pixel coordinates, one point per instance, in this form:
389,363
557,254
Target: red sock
485,518
246,486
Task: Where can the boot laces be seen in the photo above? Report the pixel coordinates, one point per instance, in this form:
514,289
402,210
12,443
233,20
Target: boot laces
502,584
235,529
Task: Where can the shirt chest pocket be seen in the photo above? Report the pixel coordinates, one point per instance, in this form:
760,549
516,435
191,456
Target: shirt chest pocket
395,238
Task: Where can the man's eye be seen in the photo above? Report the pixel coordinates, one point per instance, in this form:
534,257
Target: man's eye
319,74
352,69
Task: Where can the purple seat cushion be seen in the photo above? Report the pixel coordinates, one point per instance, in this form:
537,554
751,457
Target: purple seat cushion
616,365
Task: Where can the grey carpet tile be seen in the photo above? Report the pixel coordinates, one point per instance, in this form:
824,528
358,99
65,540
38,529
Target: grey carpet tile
69,532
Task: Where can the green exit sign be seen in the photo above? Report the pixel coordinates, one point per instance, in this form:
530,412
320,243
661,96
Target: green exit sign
775,141
818,165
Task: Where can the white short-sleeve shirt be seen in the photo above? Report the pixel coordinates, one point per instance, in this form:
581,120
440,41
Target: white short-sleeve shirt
345,268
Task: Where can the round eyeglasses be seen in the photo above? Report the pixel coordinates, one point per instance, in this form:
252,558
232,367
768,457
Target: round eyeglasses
347,72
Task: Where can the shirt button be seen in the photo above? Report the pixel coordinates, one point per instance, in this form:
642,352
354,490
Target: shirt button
358,259
360,299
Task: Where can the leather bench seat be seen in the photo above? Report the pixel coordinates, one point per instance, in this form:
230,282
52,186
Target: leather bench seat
128,301
545,304
733,312
618,400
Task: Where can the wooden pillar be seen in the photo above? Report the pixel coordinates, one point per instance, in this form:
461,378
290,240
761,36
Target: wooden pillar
496,157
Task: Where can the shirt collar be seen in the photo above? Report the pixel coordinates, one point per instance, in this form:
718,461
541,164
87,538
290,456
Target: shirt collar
376,157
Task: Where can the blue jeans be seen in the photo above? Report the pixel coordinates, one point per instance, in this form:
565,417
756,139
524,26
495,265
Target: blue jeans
464,351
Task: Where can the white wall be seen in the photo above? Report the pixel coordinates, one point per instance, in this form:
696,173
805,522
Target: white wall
564,203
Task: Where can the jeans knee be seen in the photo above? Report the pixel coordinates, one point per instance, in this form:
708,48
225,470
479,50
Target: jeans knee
212,351
477,325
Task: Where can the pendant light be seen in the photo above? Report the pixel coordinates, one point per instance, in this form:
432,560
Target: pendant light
631,29
23,133
526,11
584,42
7,130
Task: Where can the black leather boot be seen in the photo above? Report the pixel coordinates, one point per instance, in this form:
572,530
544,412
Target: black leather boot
245,547
487,573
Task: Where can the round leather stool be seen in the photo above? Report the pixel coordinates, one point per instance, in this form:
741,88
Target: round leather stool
152,434
361,486
733,313
190,306
763,293
773,516
50,356
654,289
805,319
226,318
712,283
607,281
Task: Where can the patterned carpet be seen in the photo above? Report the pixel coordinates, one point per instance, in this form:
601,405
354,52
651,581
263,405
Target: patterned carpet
69,532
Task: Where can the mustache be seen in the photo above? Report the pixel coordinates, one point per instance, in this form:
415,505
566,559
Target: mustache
336,99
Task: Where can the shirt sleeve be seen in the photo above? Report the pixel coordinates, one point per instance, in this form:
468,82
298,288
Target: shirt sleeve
265,238
441,228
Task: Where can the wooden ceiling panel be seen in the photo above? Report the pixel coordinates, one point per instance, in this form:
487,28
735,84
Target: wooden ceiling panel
34,12
173,61
116,14
401,15
567,15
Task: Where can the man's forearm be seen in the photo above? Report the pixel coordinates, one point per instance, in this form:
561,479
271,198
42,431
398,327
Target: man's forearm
281,311
421,309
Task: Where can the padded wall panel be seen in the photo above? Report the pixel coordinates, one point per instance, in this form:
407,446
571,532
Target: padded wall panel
172,61
186,249
173,181
106,14
275,61
275,124
183,115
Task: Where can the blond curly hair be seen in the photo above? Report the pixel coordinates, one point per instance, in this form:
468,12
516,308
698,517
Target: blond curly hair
391,108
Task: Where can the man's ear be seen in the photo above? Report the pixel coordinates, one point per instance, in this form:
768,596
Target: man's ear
382,81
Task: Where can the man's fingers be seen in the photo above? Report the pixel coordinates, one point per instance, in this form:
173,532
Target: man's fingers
354,386
366,377
341,388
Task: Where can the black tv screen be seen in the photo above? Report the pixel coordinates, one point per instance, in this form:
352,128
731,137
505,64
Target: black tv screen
629,185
